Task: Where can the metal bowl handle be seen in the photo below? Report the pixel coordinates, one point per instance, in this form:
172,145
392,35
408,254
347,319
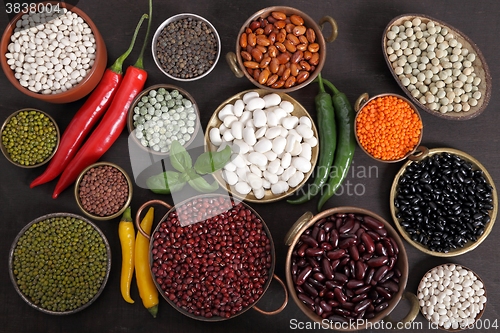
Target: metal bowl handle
283,305
233,64
361,101
335,29
139,211
412,314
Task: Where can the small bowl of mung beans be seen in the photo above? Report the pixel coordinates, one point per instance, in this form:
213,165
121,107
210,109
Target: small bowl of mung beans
103,191
59,263
186,47
29,138
161,114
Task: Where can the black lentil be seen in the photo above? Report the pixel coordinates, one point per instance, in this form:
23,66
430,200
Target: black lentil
29,137
443,202
60,263
103,190
187,48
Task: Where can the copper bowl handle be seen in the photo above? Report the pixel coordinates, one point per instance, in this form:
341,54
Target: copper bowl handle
283,305
139,211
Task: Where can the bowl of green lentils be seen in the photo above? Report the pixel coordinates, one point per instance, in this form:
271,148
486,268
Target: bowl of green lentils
59,263
29,138
161,114
186,47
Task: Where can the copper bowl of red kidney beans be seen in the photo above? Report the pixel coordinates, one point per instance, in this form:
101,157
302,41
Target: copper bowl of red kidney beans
347,268
281,48
212,257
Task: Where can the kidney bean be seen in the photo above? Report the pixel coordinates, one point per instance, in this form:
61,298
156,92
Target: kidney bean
314,252
360,270
333,284
353,284
326,268
309,289
387,276
334,237
303,275
362,290
345,243
335,264
340,277
361,248
368,242
366,256
347,271
336,254
362,306
306,299
395,246
312,262
301,251
372,223
380,249
391,286
376,237
326,246
358,298
392,262
383,292
319,276
353,252
380,273
347,226
344,261
299,289
377,261
369,276
382,306
340,296
316,284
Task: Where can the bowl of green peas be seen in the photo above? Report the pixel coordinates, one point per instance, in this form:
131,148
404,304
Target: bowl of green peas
29,138
59,263
161,114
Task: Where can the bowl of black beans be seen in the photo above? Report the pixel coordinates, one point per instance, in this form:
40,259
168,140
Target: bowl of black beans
443,201
59,263
103,191
186,47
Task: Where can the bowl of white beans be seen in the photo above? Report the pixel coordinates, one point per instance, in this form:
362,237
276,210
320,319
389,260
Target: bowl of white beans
437,66
161,114
452,297
53,52
274,143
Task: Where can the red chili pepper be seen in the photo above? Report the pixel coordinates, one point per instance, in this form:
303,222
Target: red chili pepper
87,116
112,124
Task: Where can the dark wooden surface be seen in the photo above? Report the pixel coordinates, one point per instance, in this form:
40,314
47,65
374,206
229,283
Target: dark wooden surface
355,64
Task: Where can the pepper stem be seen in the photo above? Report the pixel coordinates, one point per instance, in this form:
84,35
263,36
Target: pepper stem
331,86
140,63
320,81
117,66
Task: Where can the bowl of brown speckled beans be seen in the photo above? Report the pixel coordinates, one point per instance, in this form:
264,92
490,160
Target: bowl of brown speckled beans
103,191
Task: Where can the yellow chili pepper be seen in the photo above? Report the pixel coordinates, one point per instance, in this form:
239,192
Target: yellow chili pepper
145,283
126,234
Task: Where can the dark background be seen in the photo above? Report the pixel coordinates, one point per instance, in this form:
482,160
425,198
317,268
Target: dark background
355,65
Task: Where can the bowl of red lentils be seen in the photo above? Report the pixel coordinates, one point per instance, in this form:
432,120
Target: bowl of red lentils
387,127
103,191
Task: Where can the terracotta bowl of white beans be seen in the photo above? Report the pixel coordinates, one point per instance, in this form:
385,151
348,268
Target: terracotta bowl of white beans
43,62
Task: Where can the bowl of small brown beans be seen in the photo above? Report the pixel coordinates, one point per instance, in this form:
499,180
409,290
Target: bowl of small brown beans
281,48
212,257
186,47
347,267
103,191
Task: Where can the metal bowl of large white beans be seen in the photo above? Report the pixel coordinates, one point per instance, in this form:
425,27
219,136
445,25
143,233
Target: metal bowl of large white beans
282,164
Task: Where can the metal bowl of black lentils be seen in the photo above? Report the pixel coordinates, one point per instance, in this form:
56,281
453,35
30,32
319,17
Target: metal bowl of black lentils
443,201
59,263
29,138
103,191
186,47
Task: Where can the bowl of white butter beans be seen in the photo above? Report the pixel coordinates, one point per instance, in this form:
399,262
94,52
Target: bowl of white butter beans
274,144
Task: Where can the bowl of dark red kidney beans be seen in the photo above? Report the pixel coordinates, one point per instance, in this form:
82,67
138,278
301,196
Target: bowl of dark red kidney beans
443,201
212,257
347,265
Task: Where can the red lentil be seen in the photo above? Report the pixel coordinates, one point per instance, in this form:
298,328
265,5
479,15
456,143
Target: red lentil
388,128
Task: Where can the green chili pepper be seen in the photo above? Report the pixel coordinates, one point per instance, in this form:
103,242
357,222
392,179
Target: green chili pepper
172,181
346,143
327,142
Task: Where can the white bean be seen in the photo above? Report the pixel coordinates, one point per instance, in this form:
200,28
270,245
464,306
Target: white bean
296,179
255,103
242,187
227,110
230,177
257,158
279,187
259,118
272,99
279,144
263,145
249,136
